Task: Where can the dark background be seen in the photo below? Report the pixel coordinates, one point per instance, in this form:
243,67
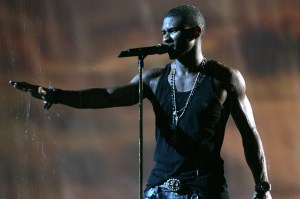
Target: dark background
64,153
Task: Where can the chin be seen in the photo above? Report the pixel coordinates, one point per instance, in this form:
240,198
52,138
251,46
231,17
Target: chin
172,57
173,54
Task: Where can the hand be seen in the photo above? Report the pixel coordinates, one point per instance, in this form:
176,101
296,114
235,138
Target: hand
267,195
34,90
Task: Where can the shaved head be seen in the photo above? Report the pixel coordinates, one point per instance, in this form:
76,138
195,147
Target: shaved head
190,15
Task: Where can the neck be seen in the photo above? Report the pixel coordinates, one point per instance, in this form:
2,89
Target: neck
190,61
189,66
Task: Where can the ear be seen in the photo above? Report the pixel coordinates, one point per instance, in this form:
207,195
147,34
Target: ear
197,31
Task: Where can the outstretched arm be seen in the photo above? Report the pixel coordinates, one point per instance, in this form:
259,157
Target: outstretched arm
90,98
243,116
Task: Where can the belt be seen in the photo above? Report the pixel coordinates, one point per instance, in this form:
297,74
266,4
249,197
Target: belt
172,184
178,188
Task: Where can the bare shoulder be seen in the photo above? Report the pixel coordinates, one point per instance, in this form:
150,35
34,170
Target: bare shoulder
238,84
229,79
150,78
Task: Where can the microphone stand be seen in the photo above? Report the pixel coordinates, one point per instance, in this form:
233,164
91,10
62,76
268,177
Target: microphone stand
141,58
141,97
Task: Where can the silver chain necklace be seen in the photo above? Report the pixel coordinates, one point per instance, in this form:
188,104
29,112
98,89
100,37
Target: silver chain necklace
178,114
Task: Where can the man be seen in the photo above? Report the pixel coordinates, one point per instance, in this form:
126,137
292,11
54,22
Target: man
192,99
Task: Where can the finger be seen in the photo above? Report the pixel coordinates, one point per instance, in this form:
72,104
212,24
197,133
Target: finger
20,85
23,86
13,83
47,105
42,91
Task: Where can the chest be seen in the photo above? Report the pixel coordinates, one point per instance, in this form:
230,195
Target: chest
197,96
184,83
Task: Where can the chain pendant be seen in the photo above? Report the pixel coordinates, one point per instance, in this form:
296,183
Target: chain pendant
175,121
175,117
174,114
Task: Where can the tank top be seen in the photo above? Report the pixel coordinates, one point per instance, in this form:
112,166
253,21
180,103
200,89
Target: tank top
199,134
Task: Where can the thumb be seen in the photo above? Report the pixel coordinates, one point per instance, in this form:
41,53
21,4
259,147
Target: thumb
42,91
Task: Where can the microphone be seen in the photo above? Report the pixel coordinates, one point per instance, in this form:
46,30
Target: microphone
144,51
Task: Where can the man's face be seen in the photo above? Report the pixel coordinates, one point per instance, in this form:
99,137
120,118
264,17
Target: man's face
178,36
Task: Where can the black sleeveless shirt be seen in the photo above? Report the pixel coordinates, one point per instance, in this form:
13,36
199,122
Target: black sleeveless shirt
199,136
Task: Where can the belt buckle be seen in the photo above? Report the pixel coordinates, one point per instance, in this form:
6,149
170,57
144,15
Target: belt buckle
173,184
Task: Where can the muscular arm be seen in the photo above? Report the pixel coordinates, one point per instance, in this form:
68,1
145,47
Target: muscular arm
100,97
112,97
243,116
234,85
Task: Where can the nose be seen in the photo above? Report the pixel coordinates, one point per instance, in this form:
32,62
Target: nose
167,39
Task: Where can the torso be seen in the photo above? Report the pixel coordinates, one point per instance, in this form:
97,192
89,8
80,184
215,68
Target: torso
200,129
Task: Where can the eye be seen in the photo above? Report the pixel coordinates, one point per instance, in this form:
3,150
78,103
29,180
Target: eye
172,30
